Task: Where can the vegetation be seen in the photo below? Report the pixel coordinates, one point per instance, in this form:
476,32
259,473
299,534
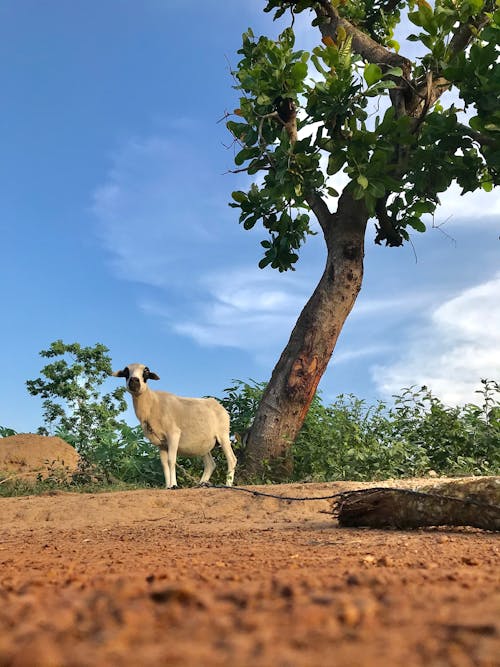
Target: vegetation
72,401
355,105
345,440
351,440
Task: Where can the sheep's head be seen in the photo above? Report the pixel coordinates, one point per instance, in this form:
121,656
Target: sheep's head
136,376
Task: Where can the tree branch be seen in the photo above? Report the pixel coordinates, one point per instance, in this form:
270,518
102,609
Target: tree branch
479,137
368,48
424,98
373,52
411,98
320,210
465,32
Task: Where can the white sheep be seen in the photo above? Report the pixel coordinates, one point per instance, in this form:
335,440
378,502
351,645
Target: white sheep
178,425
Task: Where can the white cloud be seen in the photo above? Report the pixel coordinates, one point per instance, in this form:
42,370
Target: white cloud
156,209
478,205
167,227
359,353
245,308
396,306
459,345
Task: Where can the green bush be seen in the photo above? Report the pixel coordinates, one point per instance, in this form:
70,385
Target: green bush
458,440
350,439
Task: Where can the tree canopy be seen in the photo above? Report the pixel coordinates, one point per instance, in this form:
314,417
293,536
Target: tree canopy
356,105
69,386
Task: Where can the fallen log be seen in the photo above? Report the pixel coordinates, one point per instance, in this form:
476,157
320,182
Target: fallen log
470,502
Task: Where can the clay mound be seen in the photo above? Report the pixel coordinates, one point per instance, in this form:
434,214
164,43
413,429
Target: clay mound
26,455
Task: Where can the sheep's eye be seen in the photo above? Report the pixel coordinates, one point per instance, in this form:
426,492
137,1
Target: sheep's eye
125,372
145,374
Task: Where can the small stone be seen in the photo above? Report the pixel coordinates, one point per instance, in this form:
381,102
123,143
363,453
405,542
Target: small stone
350,614
467,560
386,561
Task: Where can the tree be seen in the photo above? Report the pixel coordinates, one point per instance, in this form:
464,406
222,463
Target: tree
69,386
372,113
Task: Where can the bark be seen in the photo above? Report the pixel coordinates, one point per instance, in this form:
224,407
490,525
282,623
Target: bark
472,502
295,378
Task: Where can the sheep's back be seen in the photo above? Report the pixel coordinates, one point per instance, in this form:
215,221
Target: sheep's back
202,421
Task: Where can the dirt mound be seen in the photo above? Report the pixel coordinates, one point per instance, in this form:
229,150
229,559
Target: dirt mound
27,455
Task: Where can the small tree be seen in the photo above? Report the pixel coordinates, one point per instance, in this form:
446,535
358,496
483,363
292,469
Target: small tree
69,387
355,104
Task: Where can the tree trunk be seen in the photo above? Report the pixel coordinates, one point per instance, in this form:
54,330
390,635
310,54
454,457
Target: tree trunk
295,378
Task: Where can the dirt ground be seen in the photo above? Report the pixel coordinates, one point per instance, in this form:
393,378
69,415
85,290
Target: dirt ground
205,577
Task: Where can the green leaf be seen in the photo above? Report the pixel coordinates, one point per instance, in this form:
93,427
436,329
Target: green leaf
417,224
335,162
358,192
372,73
394,71
263,100
299,71
475,5
363,181
239,196
422,207
250,222
377,189
246,154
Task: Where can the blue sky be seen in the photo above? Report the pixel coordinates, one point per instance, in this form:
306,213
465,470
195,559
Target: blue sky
115,226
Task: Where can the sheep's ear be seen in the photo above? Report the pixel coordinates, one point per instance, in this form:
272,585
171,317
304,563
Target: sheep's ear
153,376
119,374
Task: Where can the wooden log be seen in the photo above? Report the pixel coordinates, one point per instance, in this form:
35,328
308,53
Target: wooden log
471,502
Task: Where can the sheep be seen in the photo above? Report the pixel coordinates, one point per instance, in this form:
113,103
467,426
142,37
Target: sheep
179,425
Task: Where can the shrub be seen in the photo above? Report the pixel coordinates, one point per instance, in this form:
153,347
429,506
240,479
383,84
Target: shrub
70,389
350,439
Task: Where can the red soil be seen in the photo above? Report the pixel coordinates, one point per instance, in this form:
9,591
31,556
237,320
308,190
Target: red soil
206,577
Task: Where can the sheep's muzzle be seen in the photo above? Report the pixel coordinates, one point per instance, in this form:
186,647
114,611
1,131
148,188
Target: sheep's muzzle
134,384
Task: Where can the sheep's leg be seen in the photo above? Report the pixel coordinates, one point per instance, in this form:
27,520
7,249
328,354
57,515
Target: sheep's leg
164,463
225,443
209,464
173,446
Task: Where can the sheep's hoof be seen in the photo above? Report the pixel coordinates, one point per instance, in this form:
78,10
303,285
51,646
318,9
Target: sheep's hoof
172,488
204,485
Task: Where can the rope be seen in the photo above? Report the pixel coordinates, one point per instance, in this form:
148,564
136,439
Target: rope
273,495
